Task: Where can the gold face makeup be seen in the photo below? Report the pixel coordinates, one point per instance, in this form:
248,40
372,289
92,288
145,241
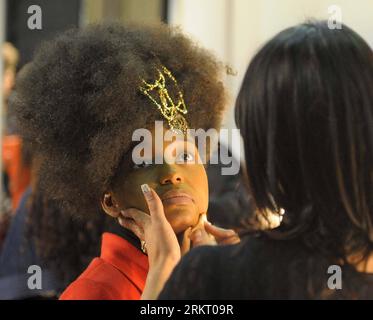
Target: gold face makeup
181,184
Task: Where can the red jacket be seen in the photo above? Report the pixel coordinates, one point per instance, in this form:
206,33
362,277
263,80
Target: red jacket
19,174
118,274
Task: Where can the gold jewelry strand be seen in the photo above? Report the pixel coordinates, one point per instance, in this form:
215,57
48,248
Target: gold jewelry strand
172,112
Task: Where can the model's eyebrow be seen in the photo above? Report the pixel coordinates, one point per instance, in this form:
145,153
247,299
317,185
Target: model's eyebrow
188,139
186,142
191,139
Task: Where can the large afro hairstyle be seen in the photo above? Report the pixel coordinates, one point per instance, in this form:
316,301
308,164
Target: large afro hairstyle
78,102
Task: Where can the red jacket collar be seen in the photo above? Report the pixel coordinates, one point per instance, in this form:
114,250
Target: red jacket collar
132,262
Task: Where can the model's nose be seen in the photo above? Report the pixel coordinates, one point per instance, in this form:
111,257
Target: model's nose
172,177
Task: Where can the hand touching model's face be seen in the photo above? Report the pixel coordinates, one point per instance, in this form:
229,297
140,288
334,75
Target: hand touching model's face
182,185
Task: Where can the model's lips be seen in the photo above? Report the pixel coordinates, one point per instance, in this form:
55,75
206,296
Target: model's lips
176,197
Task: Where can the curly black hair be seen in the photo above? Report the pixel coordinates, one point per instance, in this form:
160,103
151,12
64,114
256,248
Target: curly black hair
79,102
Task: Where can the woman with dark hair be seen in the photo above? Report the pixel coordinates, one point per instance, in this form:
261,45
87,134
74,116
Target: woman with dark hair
305,111
81,101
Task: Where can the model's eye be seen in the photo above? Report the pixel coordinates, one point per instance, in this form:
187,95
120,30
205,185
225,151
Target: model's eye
143,164
185,157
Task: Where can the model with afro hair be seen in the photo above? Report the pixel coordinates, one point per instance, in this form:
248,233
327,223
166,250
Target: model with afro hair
79,102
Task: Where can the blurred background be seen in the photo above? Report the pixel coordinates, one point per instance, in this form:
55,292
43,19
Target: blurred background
232,29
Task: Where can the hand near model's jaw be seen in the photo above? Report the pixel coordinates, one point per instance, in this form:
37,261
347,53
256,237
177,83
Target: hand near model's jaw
204,233
154,229
162,246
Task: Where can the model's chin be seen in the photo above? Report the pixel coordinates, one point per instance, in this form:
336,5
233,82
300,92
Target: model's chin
181,217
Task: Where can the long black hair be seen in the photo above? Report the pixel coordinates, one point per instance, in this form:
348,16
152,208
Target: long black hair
305,112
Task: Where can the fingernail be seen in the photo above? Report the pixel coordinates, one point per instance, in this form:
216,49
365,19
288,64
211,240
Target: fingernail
145,188
146,191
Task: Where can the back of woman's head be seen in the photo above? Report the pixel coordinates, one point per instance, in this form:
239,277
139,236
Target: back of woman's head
305,111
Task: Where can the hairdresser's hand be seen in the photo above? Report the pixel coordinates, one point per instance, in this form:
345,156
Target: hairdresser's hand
207,234
161,243
160,239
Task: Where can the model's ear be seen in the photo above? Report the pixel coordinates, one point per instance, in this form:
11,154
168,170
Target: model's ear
109,205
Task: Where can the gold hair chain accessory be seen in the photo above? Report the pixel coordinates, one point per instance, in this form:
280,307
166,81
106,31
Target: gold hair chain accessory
171,111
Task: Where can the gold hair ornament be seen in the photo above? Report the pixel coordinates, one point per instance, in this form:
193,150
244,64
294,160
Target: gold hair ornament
171,111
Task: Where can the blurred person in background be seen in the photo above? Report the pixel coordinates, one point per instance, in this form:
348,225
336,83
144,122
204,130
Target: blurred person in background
16,166
230,206
42,234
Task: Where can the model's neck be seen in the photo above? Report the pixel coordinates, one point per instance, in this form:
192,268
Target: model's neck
117,229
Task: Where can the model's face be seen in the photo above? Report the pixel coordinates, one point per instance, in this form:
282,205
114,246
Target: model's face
182,185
